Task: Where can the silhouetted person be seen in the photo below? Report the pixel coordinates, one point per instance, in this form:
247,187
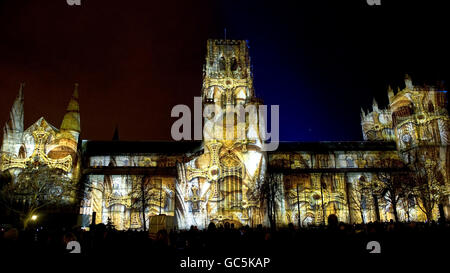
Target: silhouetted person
332,222
211,227
291,226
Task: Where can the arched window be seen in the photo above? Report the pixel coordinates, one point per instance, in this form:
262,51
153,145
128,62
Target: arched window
234,64
231,188
22,152
222,64
350,163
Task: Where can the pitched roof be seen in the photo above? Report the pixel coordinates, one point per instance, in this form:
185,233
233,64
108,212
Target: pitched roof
328,146
140,147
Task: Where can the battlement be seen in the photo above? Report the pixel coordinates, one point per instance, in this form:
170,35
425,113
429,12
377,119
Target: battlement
227,71
416,116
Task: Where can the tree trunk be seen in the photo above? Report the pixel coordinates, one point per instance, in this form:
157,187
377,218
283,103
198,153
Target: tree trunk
362,216
269,213
143,218
143,203
428,205
407,210
274,209
441,213
361,209
429,216
394,208
347,189
25,223
377,211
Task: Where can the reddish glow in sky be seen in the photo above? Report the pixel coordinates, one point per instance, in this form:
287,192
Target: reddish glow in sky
135,61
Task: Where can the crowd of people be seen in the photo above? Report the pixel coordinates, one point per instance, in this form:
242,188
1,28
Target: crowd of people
334,239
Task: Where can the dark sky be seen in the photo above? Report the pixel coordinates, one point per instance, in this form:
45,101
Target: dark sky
134,60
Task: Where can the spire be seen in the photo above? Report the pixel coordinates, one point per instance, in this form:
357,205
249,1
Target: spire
374,105
408,82
363,114
12,132
16,115
390,93
116,133
71,119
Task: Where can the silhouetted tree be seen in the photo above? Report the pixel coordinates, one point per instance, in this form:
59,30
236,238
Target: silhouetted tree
429,186
393,189
110,224
427,179
358,196
145,193
37,188
268,192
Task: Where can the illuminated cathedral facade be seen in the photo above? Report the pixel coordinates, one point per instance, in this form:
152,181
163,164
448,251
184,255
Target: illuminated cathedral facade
130,184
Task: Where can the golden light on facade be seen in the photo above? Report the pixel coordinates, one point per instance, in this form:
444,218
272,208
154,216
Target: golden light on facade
217,180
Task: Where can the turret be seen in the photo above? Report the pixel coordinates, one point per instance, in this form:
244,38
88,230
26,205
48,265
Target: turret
71,120
227,75
116,133
13,130
363,114
408,82
390,94
374,105
377,124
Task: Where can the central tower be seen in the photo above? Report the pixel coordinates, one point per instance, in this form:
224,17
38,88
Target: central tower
226,74
217,186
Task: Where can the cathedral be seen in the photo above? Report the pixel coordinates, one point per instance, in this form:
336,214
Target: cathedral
135,184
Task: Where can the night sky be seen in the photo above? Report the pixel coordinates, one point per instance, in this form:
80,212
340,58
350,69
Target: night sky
134,60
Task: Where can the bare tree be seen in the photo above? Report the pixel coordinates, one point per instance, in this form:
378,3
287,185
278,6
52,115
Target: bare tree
407,196
406,204
144,194
268,192
393,189
364,196
358,196
429,188
37,189
375,189
254,202
429,185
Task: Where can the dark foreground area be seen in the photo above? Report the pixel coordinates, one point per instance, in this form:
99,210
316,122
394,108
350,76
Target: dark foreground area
225,248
